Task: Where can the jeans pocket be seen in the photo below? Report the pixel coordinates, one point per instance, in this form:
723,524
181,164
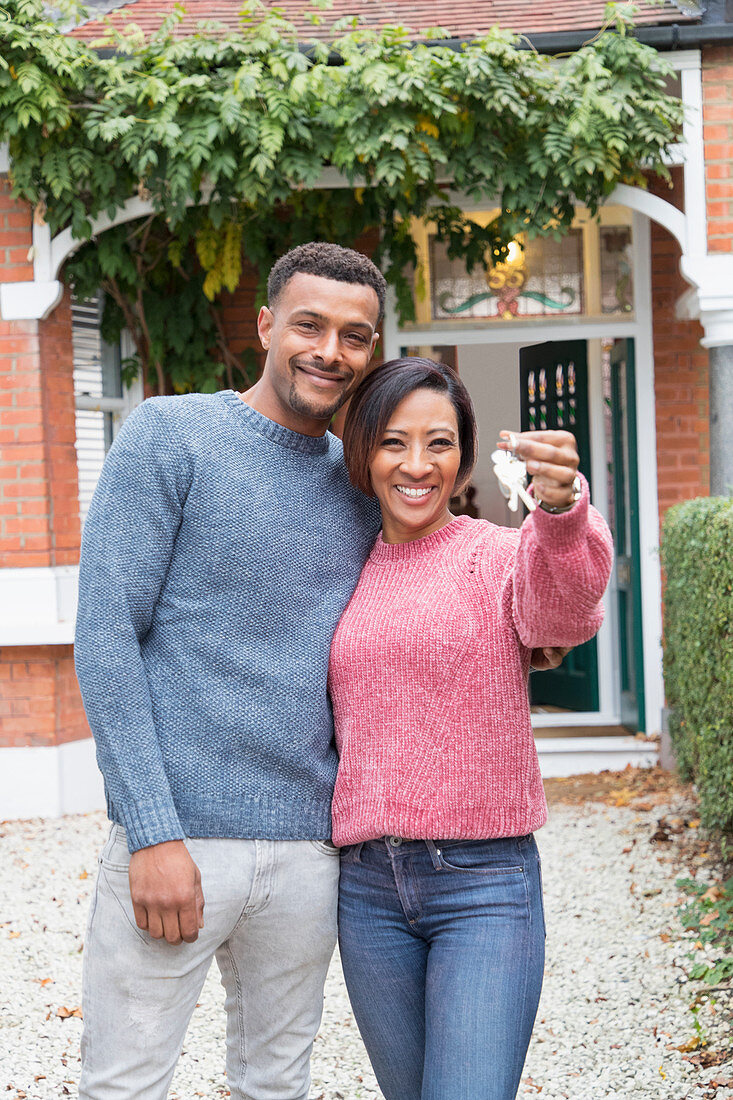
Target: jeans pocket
114,884
115,855
326,847
481,857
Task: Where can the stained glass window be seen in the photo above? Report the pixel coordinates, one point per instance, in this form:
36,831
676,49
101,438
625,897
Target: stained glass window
617,290
544,279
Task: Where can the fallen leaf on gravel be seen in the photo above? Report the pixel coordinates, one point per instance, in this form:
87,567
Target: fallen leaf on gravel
65,1012
665,937
84,874
710,1057
721,1083
44,981
709,918
691,1044
713,894
13,935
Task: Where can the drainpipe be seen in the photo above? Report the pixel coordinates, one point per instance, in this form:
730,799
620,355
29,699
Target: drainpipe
721,420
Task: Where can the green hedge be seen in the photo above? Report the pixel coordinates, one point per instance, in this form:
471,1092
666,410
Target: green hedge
697,555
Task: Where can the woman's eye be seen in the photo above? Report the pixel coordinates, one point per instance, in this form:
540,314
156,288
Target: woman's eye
390,441
442,443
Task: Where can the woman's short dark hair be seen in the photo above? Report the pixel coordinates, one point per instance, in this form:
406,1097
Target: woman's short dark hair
377,397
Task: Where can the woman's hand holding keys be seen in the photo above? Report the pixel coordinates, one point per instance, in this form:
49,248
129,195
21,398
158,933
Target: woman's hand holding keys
552,461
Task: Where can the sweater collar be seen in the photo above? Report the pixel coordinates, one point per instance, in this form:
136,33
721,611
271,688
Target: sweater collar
270,429
384,552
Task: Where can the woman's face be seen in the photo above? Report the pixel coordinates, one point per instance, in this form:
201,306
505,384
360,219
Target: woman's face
413,470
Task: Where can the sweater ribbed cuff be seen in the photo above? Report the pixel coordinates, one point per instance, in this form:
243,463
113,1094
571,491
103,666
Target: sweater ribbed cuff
564,531
148,823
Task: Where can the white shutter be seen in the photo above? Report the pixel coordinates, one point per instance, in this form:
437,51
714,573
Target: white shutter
98,396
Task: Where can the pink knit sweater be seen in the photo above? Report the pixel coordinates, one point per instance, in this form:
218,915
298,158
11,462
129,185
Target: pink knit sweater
429,666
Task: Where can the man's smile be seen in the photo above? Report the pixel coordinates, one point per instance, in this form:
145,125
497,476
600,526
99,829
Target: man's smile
320,377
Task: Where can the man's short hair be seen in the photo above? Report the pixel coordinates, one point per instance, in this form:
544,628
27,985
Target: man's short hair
329,261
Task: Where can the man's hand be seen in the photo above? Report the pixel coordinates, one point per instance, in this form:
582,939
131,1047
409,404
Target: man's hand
552,461
165,886
542,660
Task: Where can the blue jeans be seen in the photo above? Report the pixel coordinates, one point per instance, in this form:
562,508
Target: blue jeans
443,950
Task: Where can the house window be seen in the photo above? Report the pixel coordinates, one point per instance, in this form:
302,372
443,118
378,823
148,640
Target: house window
588,272
98,395
539,279
616,269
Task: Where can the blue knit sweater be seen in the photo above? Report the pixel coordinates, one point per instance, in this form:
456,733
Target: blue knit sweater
218,554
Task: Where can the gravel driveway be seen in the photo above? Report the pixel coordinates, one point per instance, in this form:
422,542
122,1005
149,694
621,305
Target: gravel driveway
614,1005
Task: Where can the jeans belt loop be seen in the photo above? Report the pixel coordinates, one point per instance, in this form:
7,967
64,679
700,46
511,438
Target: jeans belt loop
434,854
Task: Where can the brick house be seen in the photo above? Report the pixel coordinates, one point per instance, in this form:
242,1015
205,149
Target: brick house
622,331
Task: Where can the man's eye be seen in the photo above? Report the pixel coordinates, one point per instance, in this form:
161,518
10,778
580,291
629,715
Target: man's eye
307,325
357,338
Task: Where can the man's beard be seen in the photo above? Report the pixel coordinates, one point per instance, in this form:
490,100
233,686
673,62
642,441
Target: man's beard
304,407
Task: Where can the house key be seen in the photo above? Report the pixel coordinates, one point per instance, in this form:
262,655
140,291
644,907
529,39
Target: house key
511,473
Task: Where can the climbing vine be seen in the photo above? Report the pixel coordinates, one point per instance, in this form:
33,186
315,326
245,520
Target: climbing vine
231,137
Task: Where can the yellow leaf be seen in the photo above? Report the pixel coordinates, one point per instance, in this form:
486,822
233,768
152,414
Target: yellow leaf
84,874
427,126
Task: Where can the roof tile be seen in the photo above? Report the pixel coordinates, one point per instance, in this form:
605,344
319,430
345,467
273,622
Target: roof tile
461,18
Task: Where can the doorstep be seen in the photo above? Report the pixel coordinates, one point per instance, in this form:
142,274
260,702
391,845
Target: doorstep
565,751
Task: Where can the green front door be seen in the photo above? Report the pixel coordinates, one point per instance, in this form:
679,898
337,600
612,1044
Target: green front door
625,519
554,394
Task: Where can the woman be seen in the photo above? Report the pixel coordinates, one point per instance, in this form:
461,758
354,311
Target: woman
439,789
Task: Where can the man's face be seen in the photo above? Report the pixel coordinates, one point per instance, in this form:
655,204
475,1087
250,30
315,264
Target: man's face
319,336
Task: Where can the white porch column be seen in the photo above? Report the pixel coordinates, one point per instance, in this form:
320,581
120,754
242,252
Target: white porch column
711,301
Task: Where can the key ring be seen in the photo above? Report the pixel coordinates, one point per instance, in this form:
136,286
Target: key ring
511,473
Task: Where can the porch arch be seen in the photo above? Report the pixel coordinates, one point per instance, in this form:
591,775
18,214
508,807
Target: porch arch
36,300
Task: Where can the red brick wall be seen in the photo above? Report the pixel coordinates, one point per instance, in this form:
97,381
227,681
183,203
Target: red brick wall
39,508
59,430
680,383
16,237
39,697
239,316
25,507
717,78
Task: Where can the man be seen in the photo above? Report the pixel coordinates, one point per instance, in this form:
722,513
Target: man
223,542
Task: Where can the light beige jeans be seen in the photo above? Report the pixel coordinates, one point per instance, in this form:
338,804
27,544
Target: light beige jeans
270,921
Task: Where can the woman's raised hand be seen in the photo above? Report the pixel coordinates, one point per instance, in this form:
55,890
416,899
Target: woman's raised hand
552,461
